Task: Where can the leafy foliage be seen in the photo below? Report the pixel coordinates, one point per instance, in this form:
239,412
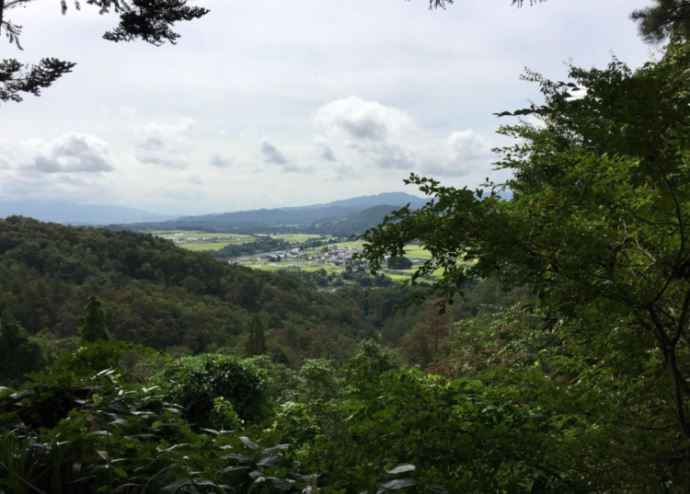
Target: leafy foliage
129,440
16,78
18,353
161,296
665,19
196,382
149,20
597,226
134,363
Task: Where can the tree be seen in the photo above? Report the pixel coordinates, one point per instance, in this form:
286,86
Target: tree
93,321
657,23
666,18
422,344
149,20
399,262
18,354
256,344
598,223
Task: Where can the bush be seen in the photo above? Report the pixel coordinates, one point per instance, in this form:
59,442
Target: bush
135,363
196,382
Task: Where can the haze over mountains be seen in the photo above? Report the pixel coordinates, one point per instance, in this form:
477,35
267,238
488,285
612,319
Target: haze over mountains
77,214
341,217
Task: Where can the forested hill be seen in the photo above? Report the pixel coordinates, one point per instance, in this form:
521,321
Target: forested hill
344,217
160,295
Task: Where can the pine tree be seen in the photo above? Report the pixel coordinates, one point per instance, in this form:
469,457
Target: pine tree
93,321
149,20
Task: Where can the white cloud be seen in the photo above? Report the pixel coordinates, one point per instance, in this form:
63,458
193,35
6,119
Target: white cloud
165,144
386,138
72,153
466,146
419,75
395,157
466,154
366,133
360,120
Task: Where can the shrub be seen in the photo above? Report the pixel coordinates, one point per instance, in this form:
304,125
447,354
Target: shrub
196,383
135,363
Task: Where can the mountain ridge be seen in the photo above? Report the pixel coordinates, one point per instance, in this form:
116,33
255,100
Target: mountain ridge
361,212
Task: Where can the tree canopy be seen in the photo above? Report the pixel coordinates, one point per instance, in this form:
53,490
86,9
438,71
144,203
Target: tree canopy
598,223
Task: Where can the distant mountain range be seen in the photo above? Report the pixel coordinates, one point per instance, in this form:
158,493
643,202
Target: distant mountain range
77,214
341,218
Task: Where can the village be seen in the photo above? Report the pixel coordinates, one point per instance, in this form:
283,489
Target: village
336,255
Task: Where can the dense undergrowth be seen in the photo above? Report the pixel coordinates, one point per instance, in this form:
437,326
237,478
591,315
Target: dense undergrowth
492,395
152,422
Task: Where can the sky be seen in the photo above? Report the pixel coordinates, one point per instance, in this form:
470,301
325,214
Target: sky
280,103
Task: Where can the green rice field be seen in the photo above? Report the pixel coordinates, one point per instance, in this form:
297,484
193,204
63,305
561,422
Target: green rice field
198,241
204,241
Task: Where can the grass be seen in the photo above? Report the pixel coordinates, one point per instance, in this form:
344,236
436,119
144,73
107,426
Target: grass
353,244
298,238
415,251
329,268
204,246
210,241
204,241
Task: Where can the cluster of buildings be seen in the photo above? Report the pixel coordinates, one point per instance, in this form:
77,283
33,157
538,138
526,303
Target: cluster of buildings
336,255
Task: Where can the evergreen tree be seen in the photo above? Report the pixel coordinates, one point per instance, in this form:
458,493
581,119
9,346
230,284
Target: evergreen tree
149,20
256,344
93,321
18,354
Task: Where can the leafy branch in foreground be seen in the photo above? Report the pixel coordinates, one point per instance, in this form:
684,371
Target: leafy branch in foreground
16,78
599,220
149,20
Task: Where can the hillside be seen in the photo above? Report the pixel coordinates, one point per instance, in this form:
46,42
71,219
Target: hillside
344,217
160,295
351,224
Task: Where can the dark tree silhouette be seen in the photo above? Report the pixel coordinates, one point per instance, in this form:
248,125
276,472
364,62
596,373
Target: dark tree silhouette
16,78
149,20
666,18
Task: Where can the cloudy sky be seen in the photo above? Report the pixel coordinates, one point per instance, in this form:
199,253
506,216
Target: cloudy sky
279,102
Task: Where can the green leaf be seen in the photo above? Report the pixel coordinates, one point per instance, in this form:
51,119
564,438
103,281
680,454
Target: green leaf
402,468
398,484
